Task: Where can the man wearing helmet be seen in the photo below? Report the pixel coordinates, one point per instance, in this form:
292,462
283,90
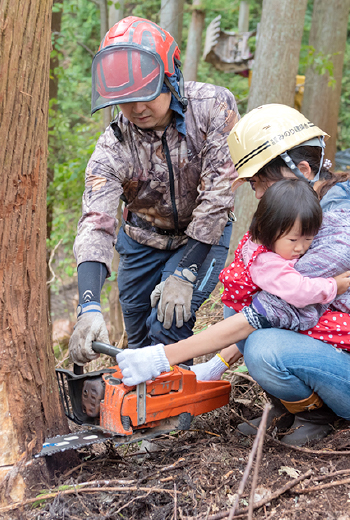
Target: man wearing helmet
166,156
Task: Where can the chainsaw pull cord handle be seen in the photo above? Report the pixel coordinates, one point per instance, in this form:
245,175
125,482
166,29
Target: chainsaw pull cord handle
101,348
104,348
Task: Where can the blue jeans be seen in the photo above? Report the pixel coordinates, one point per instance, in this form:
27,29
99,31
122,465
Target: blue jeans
141,268
291,366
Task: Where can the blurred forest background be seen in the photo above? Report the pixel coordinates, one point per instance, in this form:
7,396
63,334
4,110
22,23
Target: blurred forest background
76,34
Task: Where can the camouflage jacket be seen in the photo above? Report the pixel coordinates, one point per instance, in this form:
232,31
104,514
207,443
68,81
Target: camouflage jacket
199,197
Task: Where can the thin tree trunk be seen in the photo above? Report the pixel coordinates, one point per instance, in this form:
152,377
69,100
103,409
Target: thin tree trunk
243,20
273,81
171,18
115,309
29,403
194,41
104,26
277,55
328,36
115,14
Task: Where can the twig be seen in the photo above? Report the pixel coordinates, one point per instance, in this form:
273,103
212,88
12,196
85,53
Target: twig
257,464
265,500
52,254
77,489
86,48
126,505
175,502
322,486
334,474
260,433
239,374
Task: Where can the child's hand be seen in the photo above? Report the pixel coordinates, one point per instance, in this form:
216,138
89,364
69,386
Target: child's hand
343,282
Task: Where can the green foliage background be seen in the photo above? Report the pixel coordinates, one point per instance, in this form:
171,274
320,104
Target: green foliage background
73,132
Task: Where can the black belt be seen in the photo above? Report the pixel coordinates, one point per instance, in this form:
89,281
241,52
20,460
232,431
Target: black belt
136,221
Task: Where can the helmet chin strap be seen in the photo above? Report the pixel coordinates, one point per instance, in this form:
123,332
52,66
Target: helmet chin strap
181,98
292,166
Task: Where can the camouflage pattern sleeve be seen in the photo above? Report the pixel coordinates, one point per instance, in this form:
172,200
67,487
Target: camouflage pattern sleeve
96,234
215,197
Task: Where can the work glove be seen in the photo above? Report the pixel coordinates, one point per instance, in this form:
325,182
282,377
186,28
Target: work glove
89,327
141,364
174,295
212,370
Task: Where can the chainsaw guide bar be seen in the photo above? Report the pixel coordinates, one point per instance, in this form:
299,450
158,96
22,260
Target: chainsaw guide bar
76,440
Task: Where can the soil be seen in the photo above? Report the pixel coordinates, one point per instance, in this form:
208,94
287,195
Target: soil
198,474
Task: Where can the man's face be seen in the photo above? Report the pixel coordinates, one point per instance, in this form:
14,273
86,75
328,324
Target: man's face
147,115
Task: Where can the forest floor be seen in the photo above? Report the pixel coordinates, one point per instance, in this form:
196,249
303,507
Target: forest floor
199,474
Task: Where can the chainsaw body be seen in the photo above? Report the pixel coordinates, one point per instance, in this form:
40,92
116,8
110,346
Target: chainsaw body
124,409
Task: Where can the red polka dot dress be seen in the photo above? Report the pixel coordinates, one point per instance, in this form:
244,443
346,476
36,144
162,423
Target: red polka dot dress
239,287
334,328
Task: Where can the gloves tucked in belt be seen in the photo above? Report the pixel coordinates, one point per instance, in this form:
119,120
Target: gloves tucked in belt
90,327
141,364
174,295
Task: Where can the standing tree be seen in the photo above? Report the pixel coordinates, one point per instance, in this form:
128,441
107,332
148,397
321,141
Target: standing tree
327,39
194,41
171,18
273,80
29,403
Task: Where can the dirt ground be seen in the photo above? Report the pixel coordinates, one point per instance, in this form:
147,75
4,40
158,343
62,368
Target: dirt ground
199,474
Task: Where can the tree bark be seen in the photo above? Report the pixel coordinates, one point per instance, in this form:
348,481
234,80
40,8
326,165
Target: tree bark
171,18
194,42
30,408
273,81
328,36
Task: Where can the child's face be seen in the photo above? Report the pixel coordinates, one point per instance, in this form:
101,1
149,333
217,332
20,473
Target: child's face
293,244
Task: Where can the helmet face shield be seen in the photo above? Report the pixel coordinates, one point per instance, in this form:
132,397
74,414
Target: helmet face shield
125,73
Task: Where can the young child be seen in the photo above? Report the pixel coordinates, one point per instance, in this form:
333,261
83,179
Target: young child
286,220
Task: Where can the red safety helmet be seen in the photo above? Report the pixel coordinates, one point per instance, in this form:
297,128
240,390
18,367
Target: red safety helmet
133,60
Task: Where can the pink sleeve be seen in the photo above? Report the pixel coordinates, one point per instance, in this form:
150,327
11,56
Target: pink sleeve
272,273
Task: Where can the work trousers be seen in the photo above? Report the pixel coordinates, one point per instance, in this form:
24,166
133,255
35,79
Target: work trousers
141,268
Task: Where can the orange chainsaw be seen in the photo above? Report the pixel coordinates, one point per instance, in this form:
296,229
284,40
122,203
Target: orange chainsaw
126,414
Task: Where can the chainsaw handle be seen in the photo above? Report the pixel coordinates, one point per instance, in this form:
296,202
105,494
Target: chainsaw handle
104,348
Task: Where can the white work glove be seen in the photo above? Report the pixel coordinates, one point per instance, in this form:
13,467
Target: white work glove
89,327
212,370
141,364
174,295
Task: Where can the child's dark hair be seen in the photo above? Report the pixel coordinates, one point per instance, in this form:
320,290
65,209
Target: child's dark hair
281,205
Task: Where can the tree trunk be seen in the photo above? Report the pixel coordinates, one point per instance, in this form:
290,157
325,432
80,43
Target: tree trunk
115,309
104,26
171,18
115,14
277,55
194,41
273,81
53,93
327,36
243,20
30,408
